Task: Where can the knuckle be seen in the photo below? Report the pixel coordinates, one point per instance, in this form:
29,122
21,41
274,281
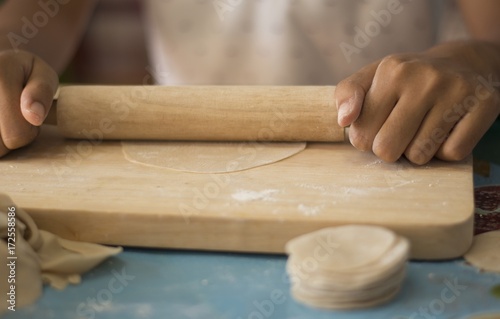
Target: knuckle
453,153
396,64
359,140
20,138
347,85
385,152
418,155
3,150
43,87
401,67
47,75
381,148
433,76
418,159
6,56
393,60
461,89
400,72
462,84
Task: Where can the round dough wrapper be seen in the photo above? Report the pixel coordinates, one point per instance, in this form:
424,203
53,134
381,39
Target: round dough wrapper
208,157
484,252
333,305
381,289
358,266
384,269
344,248
341,281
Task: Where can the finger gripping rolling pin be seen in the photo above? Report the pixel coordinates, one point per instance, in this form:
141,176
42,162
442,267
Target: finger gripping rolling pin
208,113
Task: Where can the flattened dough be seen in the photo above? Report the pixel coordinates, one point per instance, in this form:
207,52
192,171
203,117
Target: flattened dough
347,267
348,247
347,305
208,157
42,257
484,253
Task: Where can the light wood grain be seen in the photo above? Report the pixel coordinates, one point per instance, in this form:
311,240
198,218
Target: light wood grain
209,113
86,190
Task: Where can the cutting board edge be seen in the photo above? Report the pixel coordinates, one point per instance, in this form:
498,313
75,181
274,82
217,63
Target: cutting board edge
432,242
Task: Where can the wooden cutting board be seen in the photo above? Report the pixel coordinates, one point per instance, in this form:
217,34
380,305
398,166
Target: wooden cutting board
90,192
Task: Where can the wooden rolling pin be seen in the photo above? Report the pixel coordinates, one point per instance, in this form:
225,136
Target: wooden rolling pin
209,113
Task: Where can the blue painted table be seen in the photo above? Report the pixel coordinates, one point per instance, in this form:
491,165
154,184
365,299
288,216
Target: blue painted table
142,283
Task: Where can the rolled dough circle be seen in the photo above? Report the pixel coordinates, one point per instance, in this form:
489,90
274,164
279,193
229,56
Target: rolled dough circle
347,267
346,247
208,157
384,269
484,252
347,305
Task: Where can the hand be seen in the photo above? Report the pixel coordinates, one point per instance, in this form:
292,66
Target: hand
27,88
420,105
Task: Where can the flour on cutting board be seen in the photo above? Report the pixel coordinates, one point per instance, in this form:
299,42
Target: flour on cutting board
364,191
324,189
310,210
333,194
376,162
249,195
352,191
398,174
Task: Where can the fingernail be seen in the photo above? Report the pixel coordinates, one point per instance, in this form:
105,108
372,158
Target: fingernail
37,109
343,111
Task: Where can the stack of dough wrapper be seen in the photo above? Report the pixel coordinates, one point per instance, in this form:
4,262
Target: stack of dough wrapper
347,267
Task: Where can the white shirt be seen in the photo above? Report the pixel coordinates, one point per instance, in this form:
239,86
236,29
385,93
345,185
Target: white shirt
284,42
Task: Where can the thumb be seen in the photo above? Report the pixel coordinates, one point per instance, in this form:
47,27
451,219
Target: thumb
38,93
350,94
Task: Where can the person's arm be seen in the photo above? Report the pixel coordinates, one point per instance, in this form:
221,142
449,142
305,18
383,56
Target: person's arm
50,30
482,18
435,103
37,40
